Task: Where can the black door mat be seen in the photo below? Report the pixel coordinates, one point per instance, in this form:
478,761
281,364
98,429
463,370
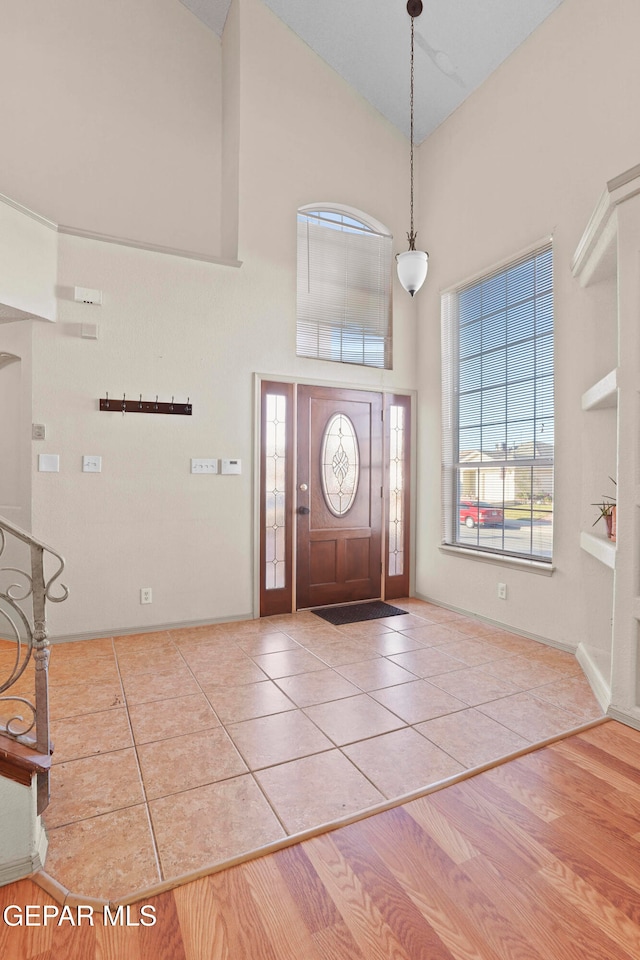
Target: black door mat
355,612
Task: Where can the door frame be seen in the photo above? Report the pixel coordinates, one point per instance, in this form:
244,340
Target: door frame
290,385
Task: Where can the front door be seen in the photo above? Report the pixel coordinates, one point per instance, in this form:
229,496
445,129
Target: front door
339,496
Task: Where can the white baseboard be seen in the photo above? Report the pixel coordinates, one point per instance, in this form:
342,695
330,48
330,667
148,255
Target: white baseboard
600,686
148,628
18,869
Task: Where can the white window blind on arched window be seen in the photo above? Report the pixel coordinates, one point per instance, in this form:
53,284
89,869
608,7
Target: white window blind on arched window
344,289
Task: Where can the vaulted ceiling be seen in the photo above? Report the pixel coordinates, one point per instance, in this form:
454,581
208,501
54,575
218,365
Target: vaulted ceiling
458,44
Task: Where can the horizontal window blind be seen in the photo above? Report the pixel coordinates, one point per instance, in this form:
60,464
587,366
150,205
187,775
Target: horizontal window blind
498,409
344,290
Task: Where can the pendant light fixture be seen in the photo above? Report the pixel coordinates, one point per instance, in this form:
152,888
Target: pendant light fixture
413,264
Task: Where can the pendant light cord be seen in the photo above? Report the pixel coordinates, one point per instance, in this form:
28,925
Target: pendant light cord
412,236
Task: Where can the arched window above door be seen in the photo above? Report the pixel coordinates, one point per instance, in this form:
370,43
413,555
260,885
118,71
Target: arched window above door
344,286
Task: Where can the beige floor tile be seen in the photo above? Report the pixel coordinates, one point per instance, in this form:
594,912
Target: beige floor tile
82,669
74,699
527,673
217,822
417,701
471,738
471,628
366,628
256,628
265,741
141,641
246,701
78,649
287,663
473,685
433,634
572,693
436,614
336,653
402,761
162,658
356,718
182,763
511,642
530,717
161,719
429,662
93,785
209,652
208,631
420,608
317,790
306,632
107,857
267,643
144,687
475,651
320,686
375,674
560,659
386,644
405,621
91,734
232,672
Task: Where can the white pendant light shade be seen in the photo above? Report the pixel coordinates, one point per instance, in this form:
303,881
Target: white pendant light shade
412,269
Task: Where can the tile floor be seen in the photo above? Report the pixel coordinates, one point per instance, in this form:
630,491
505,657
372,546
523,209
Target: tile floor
191,747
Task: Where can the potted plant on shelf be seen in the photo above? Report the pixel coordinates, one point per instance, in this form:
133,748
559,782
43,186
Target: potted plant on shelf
607,512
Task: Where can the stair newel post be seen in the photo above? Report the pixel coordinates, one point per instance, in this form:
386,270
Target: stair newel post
41,658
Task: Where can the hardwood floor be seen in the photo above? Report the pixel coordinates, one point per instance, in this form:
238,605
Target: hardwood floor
535,859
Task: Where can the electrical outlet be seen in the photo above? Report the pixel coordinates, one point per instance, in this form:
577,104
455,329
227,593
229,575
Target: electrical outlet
146,595
502,591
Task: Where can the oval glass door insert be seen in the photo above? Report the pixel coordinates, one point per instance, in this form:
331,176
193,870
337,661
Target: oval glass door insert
339,464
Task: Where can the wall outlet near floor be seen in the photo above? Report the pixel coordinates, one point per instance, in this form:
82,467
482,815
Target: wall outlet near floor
146,595
502,591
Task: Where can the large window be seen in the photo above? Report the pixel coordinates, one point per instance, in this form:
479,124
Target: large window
344,287
498,419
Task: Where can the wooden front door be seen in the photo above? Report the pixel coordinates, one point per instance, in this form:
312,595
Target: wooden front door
338,498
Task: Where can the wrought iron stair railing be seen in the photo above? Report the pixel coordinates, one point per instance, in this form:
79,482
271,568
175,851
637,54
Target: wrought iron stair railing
25,588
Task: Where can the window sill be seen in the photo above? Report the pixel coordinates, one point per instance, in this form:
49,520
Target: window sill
517,563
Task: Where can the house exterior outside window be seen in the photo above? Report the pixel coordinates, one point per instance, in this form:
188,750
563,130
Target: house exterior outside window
498,410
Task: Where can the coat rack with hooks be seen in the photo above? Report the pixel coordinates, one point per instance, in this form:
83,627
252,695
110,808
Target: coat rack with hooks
110,405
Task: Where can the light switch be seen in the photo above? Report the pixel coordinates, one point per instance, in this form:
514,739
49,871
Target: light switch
231,466
92,464
203,466
89,331
49,462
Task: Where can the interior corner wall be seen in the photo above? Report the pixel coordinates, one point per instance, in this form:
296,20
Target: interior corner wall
230,199
113,123
525,157
177,327
15,424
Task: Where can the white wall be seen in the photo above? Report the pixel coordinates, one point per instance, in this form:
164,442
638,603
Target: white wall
527,156
113,123
23,842
15,424
28,263
173,326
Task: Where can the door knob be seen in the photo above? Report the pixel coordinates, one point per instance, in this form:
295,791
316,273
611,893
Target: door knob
304,487
303,511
